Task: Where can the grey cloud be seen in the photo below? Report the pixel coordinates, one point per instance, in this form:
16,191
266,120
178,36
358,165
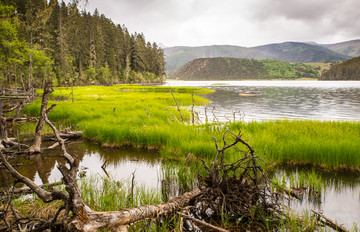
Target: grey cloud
239,22
325,17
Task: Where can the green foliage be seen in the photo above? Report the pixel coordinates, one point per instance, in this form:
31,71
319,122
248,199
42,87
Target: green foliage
239,68
347,70
48,41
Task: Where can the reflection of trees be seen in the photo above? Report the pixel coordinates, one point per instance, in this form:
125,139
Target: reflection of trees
118,156
44,163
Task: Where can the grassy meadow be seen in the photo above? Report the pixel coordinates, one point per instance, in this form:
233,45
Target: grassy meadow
147,117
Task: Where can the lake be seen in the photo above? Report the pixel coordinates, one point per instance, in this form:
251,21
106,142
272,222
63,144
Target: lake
266,100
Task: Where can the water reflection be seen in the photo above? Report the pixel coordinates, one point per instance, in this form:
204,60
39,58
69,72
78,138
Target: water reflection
120,165
339,198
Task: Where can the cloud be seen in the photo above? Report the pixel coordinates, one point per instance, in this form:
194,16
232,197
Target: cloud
244,23
326,18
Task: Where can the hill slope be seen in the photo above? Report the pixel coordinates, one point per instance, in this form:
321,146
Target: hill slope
347,70
222,68
176,57
299,52
349,48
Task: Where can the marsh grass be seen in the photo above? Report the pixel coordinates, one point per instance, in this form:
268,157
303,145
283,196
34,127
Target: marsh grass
106,194
328,144
123,115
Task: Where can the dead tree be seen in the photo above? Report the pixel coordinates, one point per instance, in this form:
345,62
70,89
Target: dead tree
236,190
11,100
36,147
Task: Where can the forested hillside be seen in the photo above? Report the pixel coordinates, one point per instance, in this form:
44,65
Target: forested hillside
44,40
347,70
289,51
238,68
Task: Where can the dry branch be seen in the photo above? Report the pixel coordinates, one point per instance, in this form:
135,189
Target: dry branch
43,194
237,190
177,105
27,190
203,223
330,222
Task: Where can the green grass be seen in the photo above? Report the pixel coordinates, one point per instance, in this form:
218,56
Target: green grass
135,115
329,144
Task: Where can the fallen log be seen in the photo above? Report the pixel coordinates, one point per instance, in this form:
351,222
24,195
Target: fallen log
22,119
330,222
102,220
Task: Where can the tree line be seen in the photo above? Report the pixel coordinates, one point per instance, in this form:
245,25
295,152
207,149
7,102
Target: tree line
347,70
47,41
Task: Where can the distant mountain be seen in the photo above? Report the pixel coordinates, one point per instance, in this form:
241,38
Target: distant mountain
299,52
222,68
349,48
176,57
347,70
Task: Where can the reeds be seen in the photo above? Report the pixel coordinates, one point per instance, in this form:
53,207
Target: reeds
142,116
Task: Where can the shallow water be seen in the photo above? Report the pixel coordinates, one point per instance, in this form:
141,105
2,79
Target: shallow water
121,163
339,199
264,100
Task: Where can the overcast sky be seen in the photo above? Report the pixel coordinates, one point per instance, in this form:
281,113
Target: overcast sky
235,22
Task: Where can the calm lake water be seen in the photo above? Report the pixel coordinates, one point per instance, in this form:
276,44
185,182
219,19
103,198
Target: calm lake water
264,100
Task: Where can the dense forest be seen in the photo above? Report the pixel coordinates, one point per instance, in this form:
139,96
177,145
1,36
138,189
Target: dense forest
47,41
222,68
347,70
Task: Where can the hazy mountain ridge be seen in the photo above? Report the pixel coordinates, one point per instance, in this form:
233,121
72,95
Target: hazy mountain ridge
225,68
347,70
349,48
288,51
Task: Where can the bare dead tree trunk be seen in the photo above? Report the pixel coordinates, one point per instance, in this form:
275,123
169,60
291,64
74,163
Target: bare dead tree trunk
3,131
177,105
37,139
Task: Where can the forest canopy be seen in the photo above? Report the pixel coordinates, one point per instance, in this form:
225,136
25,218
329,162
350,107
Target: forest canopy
50,41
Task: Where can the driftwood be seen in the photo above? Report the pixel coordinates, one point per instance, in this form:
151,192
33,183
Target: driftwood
68,135
27,190
21,119
330,222
36,147
236,190
203,223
